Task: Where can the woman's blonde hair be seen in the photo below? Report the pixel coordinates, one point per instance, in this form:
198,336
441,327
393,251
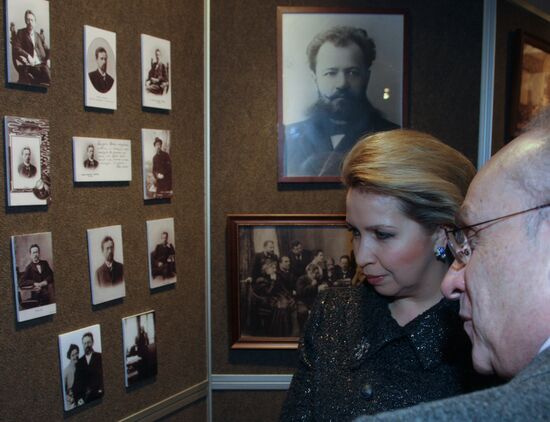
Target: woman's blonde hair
429,178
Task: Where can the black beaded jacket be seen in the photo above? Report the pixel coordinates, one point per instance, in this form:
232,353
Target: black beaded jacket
355,359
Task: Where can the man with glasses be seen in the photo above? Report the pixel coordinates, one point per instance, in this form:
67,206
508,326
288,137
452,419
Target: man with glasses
501,275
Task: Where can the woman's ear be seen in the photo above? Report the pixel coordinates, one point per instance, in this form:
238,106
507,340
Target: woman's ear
439,237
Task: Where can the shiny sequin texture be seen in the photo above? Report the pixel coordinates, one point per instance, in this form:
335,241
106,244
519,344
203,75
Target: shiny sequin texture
355,359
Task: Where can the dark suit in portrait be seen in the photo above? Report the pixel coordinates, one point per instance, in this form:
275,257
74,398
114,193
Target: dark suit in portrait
102,83
26,171
308,145
107,277
88,379
90,164
299,262
163,260
37,273
22,47
162,164
157,78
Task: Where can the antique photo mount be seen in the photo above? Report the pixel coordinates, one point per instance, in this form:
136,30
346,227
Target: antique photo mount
27,146
67,342
24,68
33,275
387,84
530,87
101,160
106,284
161,256
139,347
100,76
246,233
156,73
158,181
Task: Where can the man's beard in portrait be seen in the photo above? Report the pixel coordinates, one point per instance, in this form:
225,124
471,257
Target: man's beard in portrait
104,68
342,106
89,349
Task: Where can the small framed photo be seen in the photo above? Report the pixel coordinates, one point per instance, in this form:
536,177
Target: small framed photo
102,159
27,161
530,84
162,252
99,68
278,264
157,164
155,72
80,360
140,347
28,42
106,264
33,278
342,74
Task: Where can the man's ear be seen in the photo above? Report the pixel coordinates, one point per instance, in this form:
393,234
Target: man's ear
367,77
313,76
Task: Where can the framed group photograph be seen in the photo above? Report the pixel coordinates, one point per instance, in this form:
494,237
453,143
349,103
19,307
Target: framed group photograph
342,74
155,73
530,83
162,252
81,363
99,68
27,161
28,42
102,159
157,164
33,275
106,264
278,264
140,347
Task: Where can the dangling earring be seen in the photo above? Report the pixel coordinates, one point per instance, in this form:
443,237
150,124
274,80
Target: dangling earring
440,253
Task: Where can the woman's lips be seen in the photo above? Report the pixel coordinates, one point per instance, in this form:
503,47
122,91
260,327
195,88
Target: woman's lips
375,280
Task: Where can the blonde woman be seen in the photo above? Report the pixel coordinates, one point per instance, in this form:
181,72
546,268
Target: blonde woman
392,340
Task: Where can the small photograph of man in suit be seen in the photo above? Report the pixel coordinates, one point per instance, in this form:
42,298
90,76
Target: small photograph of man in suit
140,348
162,255
335,89
157,78
157,164
155,72
26,168
28,47
34,275
82,373
100,79
106,264
90,162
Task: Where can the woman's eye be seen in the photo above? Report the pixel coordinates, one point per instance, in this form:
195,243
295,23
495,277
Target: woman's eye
380,235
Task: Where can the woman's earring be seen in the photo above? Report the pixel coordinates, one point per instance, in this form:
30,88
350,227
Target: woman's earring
440,253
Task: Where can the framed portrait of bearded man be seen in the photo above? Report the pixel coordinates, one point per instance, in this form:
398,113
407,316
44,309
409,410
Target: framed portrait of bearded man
341,76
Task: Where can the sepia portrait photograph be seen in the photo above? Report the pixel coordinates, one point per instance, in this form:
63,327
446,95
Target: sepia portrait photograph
106,264
140,348
80,361
341,75
27,161
102,159
155,72
531,82
157,164
28,42
278,266
162,252
33,278
100,88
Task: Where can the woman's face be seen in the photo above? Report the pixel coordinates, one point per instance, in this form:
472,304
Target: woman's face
394,253
74,355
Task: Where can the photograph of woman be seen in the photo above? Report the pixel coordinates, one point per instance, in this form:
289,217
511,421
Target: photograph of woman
391,340
69,375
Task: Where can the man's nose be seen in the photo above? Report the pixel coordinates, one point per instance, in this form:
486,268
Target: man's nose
453,283
341,80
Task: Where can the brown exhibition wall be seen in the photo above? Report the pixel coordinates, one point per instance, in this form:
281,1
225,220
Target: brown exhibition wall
510,18
30,387
239,406
444,66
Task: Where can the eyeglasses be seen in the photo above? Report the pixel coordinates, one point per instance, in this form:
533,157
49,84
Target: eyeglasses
458,241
